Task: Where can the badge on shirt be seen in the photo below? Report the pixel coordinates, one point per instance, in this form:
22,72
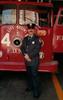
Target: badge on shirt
33,42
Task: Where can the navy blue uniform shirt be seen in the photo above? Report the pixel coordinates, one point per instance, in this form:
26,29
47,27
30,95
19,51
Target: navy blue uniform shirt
31,46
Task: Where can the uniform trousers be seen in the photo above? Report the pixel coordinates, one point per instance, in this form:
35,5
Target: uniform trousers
33,80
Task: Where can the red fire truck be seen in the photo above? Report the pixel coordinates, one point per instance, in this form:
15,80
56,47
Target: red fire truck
14,16
58,32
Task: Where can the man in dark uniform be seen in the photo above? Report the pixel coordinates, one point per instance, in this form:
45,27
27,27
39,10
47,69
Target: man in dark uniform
30,49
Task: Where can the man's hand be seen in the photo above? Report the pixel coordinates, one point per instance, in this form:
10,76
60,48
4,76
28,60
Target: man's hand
27,57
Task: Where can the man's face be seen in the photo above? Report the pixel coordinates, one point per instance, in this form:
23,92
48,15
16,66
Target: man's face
31,31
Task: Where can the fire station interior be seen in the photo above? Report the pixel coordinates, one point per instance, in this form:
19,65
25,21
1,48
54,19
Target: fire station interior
13,83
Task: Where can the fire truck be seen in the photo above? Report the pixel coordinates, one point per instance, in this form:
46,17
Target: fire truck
58,37
58,32
14,16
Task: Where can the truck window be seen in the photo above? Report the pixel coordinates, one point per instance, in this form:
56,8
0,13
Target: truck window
60,21
7,15
27,16
60,17
34,14
43,19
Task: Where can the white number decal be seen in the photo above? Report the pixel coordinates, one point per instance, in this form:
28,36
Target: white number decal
6,39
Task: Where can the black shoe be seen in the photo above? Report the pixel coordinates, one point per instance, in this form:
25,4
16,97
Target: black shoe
28,89
36,96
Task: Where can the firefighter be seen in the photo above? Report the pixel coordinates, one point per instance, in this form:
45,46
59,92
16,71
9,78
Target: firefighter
30,49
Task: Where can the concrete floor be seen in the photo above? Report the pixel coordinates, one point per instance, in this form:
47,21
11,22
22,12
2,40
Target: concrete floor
13,85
